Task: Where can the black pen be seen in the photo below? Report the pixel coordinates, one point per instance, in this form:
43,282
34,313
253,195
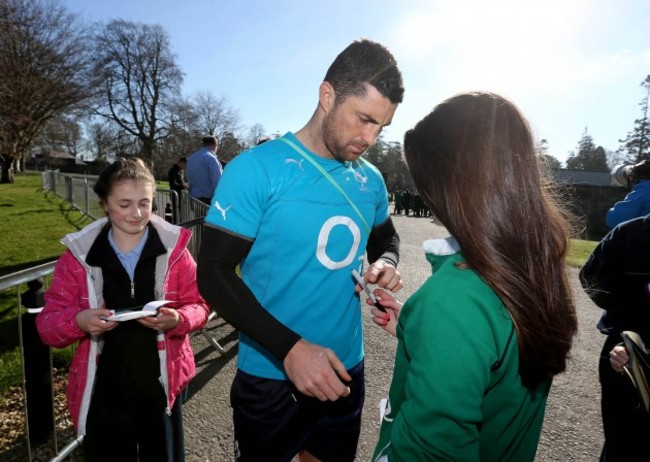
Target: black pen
367,290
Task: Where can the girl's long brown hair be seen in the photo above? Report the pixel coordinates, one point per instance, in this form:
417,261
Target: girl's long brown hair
474,163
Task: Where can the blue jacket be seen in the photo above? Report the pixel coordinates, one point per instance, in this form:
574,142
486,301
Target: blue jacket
636,204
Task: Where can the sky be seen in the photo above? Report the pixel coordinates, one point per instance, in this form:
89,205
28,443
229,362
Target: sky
570,65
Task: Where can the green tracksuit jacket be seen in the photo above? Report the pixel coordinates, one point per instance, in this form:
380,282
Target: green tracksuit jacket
456,393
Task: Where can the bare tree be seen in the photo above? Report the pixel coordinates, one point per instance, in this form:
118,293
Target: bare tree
63,134
184,134
43,63
141,80
256,133
101,140
215,114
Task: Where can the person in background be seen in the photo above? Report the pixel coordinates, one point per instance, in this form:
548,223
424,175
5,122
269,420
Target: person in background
481,340
204,170
176,177
125,377
300,212
616,277
176,180
637,202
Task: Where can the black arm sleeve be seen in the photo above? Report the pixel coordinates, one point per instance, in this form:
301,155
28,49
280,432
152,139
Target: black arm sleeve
383,243
225,292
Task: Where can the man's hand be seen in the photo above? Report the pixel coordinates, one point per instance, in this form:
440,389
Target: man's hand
384,275
313,370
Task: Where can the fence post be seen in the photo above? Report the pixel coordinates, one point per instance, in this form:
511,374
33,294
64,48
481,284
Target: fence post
86,199
68,190
36,357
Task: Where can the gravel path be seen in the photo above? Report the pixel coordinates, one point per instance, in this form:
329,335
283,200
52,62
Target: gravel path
572,429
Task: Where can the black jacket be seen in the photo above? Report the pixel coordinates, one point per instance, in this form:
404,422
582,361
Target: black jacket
176,179
617,278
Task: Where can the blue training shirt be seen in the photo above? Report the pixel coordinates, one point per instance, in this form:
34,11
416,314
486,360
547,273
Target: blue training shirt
307,239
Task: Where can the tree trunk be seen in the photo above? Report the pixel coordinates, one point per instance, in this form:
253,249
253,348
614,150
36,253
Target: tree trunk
7,175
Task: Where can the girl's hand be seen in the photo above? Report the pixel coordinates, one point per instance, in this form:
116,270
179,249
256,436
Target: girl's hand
618,358
387,320
91,321
167,319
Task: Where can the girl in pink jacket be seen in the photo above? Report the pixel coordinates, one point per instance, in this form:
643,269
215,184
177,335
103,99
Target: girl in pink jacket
126,376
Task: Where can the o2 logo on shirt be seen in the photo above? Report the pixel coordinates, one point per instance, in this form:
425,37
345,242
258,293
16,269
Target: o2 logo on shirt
324,236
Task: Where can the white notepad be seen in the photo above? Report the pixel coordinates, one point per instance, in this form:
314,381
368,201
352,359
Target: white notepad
150,309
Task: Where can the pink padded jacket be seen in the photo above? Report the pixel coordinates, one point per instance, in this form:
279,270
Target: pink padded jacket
77,286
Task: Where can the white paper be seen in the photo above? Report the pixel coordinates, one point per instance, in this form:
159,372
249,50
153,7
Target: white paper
150,309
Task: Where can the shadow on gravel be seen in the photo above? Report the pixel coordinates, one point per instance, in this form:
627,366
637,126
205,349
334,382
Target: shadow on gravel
208,367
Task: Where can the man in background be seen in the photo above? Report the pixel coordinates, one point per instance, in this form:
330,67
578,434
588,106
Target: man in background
176,179
204,170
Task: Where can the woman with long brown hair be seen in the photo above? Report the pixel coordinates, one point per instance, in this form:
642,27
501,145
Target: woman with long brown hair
482,339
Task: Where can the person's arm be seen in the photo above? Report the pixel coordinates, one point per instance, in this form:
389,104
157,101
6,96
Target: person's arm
192,309
383,243
618,357
628,208
383,256
215,170
226,292
66,317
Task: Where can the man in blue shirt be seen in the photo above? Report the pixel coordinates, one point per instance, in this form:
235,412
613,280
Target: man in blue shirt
298,213
203,170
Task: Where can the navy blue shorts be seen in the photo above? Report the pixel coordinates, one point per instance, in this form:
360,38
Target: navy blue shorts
273,421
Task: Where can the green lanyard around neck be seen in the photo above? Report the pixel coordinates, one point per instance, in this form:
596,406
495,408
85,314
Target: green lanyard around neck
328,176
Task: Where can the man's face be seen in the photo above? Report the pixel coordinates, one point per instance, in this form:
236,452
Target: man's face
351,126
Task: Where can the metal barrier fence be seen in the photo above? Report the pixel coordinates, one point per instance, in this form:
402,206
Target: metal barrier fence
78,191
186,211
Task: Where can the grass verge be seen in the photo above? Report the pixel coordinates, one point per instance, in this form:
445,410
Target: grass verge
579,252
32,223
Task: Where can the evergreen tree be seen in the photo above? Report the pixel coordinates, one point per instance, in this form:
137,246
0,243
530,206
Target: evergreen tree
589,157
637,142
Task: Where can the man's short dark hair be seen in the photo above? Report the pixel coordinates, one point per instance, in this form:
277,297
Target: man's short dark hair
183,160
210,140
366,62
